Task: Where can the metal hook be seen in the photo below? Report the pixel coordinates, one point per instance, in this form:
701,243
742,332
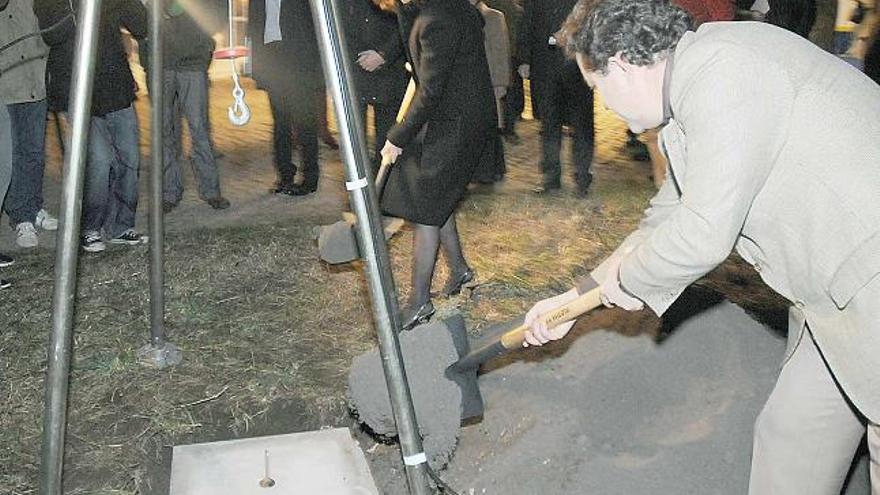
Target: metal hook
239,113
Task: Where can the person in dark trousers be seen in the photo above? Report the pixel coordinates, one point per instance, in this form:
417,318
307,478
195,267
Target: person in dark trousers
287,64
188,51
443,132
110,195
374,43
561,92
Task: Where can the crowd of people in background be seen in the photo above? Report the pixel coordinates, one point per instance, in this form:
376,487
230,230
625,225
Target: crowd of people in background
518,42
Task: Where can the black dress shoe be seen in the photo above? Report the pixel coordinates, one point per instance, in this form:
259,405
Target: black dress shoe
284,189
583,188
412,318
454,285
302,189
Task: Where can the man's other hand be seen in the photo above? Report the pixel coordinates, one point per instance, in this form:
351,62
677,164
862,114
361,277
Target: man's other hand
612,293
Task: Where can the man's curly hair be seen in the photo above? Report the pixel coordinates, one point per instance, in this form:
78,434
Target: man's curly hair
643,31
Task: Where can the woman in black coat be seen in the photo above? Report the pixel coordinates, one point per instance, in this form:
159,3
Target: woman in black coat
440,140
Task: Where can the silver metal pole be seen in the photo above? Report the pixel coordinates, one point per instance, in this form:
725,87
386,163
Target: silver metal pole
157,227
370,235
67,251
158,353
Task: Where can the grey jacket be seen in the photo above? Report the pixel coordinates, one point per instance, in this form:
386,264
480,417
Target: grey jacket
22,66
764,157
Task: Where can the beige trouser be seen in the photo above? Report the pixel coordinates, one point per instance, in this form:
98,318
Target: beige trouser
807,434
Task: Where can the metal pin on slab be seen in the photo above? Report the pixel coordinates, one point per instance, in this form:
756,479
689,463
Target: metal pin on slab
266,482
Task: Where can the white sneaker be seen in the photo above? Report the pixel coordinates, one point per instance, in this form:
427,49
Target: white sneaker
26,235
46,221
92,242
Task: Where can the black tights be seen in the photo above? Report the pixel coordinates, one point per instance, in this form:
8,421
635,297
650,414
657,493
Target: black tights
426,241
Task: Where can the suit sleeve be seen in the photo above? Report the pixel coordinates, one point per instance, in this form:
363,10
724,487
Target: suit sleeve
438,41
731,149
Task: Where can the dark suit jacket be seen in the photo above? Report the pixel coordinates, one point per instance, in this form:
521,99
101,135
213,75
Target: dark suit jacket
540,20
368,28
292,65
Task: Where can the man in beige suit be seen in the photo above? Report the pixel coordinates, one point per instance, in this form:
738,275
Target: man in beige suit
761,159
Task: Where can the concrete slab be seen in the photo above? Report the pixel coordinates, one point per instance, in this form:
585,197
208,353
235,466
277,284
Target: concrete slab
327,462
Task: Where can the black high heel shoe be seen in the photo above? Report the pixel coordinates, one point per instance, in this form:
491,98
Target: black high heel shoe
453,286
420,316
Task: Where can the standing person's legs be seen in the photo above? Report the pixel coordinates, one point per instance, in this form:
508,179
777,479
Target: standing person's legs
96,187
281,140
124,172
807,433
24,199
306,127
419,309
460,274
5,152
513,103
5,172
307,132
581,98
194,100
172,190
551,125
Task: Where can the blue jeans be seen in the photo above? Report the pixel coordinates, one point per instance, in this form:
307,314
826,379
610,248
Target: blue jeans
111,184
25,197
5,151
186,95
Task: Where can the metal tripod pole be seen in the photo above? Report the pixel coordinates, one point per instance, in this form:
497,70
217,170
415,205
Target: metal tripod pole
67,251
370,237
158,353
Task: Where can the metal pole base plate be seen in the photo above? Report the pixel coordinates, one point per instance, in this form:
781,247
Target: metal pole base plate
159,357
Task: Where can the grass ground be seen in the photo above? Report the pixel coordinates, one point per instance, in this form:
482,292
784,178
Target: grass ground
267,330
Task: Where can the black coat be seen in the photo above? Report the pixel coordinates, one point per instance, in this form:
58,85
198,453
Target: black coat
114,87
450,119
369,28
292,65
542,19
